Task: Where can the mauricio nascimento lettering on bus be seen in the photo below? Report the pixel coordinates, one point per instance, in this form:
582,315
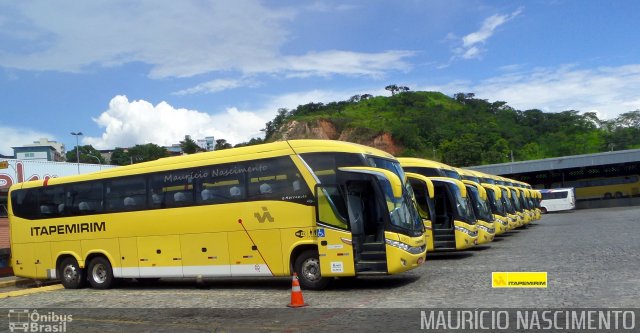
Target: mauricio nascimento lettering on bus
528,320
76,228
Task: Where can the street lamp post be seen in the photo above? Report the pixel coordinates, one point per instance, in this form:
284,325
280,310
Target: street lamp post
77,149
98,159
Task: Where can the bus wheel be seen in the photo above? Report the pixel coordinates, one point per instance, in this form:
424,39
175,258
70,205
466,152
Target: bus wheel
618,195
71,275
543,210
607,195
100,273
307,266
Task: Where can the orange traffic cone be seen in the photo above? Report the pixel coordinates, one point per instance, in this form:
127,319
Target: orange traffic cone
296,294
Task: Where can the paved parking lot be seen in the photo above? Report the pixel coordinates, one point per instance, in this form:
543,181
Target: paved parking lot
590,256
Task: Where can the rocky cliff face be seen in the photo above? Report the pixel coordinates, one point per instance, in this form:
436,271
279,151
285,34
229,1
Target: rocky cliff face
325,129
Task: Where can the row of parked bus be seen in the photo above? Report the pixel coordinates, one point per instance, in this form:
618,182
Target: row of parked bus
462,208
318,208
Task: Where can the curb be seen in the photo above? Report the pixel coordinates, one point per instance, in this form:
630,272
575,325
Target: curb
8,283
26,283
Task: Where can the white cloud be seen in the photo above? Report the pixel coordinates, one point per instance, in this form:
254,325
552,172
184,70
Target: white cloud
176,38
471,43
608,91
218,85
15,137
127,123
350,63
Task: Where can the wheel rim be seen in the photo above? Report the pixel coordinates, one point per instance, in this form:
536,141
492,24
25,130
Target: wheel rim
99,273
70,273
311,269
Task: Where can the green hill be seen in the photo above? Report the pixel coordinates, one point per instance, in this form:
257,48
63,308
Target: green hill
461,131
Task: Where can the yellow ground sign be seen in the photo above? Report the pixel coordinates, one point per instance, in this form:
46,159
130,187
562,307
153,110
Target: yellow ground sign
519,279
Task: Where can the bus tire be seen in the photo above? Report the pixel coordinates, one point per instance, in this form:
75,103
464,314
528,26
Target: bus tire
100,273
618,195
70,273
307,266
607,195
543,210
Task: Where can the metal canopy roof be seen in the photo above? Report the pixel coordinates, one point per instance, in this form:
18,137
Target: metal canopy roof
566,162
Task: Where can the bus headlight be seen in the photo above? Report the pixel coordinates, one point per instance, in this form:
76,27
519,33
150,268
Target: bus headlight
467,231
405,247
489,230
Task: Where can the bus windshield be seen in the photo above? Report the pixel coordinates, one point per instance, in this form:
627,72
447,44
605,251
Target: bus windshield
516,200
383,163
507,202
463,205
480,208
402,212
496,205
451,174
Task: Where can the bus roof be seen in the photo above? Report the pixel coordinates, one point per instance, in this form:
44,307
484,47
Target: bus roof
420,162
265,150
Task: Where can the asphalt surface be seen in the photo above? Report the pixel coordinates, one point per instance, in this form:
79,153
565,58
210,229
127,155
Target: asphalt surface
590,257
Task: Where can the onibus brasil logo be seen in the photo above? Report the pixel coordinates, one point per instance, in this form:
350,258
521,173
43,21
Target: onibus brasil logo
23,320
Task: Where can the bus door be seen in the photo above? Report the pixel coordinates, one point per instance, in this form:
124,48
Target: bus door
443,230
423,190
335,243
364,215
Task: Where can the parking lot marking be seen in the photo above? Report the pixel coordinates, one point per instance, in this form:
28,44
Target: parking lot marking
29,291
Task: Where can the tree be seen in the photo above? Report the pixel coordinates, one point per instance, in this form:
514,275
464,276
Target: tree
463,97
88,155
146,152
629,119
355,99
253,141
120,157
463,151
222,144
189,146
273,126
393,88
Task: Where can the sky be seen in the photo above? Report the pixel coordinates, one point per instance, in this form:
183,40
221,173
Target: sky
135,72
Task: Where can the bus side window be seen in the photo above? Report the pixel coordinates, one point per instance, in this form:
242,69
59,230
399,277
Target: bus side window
276,179
85,198
25,203
51,198
126,194
221,186
172,189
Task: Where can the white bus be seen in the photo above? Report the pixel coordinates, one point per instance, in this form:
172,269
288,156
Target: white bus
557,199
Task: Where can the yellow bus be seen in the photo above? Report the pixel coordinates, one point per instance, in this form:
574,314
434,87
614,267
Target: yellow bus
451,224
424,195
494,198
515,220
604,188
484,218
319,208
454,225
481,208
429,168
